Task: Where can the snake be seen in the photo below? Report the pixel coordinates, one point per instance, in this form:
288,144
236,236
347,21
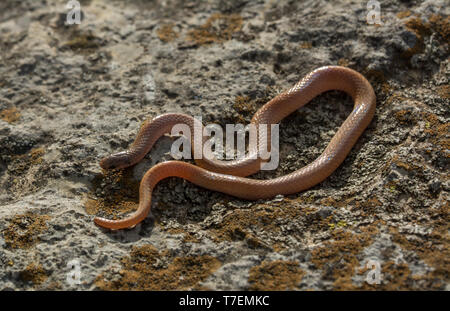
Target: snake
231,176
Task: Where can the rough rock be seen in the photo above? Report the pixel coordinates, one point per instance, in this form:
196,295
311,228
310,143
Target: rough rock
72,94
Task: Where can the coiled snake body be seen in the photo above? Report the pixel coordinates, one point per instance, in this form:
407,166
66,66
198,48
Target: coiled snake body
229,176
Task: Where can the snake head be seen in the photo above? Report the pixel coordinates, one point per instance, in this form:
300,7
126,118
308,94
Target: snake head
116,161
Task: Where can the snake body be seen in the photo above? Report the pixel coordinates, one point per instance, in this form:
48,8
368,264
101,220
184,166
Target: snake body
229,176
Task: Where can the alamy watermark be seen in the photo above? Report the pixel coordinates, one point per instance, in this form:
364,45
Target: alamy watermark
235,134
374,13
74,14
73,277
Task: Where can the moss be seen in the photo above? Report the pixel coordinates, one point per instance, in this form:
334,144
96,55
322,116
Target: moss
82,42
142,270
398,276
218,28
437,131
187,236
343,62
441,25
306,45
190,237
241,224
24,229
113,193
368,206
166,33
395,97
10,115
275,275
421,30
406,117
21,166
35,155
372,202
246,107
378,79
436,24
405,166
345,200
22,163
444,91
338,257
254,242
403,14
433,249
33,273
52,286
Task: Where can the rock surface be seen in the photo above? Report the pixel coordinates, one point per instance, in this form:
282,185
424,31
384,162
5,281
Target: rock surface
72,94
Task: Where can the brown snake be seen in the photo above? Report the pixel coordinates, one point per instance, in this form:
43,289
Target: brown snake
229,176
